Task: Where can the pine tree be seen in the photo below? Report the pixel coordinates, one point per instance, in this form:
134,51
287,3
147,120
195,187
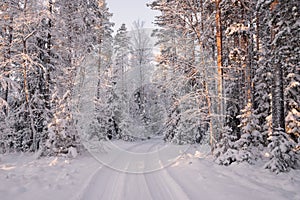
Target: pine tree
283,15
121,68
88,31
246,148
226,151
105,93
293,110
68,24
250,144
289,53
282,156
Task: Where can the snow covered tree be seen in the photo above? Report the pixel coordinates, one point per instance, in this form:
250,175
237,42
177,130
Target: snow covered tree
250,145
293,110
247,147
121,58
140,49
121,51
283,19
5,70
237,17
103,120
141,53
282,156
226,152
29,108
121,67
5,41
88,31
262,78
288,52
252,125
185,69
68,53
43,44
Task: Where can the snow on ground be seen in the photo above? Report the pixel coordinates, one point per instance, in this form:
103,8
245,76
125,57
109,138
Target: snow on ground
191,176
24,177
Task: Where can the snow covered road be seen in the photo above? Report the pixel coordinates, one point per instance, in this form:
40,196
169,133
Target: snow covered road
191,176
129,183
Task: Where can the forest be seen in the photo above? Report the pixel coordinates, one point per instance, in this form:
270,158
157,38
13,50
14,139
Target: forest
224,73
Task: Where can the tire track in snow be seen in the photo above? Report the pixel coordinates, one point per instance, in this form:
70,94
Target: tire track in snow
106,182
163,185
92,180
136,185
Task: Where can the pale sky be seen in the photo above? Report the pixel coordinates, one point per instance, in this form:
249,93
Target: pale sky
128,11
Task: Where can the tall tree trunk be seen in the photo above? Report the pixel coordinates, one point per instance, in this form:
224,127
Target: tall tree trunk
219,61
29,112
220,65
257,34
7,57
277,85
99,69
48,61
25,62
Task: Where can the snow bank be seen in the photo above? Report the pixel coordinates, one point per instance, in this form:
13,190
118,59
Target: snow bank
23,177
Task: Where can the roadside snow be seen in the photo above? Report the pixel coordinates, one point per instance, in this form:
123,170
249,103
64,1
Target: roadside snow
207,180
26,178
192,176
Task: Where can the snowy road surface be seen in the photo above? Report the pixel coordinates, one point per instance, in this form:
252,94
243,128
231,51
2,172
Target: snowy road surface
192,176
127,181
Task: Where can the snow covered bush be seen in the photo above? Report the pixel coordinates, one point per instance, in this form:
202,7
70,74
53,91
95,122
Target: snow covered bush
62,133
6,139
282,156
225,151
251,142
245,149
292,97
187,121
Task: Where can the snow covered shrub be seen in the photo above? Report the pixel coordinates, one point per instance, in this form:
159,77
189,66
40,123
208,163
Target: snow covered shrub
62,133
251,142
292,119
5,134
293,123
184,131
282,156
225,151
187,121
245,149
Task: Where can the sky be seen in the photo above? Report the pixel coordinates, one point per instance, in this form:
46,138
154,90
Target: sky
128,11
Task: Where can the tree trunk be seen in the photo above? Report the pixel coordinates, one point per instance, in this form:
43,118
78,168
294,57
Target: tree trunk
277,85
25,62
219,61
7,58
